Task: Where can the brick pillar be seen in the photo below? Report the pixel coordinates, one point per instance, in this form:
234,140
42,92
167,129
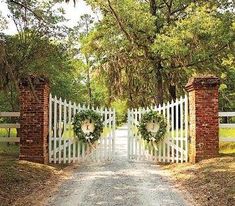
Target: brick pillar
34,119
204,121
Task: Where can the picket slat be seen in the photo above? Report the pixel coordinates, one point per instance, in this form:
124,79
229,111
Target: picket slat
55,123
186,128
113,123
168,132
50,128
65,130
73,144
105,139
172,131
181,130
59,125
177,130
129,133
70,123
163,155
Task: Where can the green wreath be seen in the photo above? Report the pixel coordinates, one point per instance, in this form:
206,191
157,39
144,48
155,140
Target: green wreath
154,117
95,119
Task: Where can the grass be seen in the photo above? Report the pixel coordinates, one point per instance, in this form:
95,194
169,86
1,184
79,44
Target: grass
9,149
209,182
227,132
4,132
227,147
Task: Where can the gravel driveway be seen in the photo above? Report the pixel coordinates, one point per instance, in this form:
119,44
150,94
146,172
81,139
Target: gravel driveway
118,183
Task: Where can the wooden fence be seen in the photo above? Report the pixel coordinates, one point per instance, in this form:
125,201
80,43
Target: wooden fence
9,126
174,147
64,147
228,125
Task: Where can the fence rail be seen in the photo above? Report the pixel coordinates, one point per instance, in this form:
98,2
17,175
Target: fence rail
227,125
9,126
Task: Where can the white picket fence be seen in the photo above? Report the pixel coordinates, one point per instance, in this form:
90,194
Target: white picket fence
227,126
64,147
174,147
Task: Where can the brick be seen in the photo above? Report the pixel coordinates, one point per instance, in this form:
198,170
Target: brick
204,120
34,117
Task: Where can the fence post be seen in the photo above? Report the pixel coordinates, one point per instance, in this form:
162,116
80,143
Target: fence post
34,115
203,119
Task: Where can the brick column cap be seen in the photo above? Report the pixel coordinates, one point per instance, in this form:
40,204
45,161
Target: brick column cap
202,82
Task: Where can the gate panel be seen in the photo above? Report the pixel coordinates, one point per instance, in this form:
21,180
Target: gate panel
174,146
64,147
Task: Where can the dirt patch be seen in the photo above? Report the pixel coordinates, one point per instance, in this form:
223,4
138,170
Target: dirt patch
26,183
210,182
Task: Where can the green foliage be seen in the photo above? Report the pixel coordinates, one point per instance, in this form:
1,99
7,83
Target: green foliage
121,108
99,90
145,50
148,135
227,91
9,149
136,52
3,22
95,118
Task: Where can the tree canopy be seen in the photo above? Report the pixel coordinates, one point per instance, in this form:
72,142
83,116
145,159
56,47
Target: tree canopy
151,48
138,53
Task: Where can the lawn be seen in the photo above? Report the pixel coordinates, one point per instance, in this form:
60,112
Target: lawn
209,182
227,147
5,132
227,132
9,149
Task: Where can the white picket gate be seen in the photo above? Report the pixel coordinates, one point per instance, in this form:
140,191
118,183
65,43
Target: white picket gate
64,147
174,147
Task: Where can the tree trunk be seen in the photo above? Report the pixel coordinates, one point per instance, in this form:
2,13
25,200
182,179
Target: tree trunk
172,91
159,85
89,86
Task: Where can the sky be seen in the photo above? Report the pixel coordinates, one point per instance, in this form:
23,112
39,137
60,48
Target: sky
72,13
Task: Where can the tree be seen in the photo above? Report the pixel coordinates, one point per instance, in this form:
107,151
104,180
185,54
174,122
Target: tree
36,48
3,22
150,48
86,24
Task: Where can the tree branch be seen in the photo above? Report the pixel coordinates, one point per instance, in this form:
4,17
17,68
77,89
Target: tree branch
153,7
119,22
28,8
201,61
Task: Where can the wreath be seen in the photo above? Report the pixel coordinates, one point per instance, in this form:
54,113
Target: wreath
91,118
156,119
